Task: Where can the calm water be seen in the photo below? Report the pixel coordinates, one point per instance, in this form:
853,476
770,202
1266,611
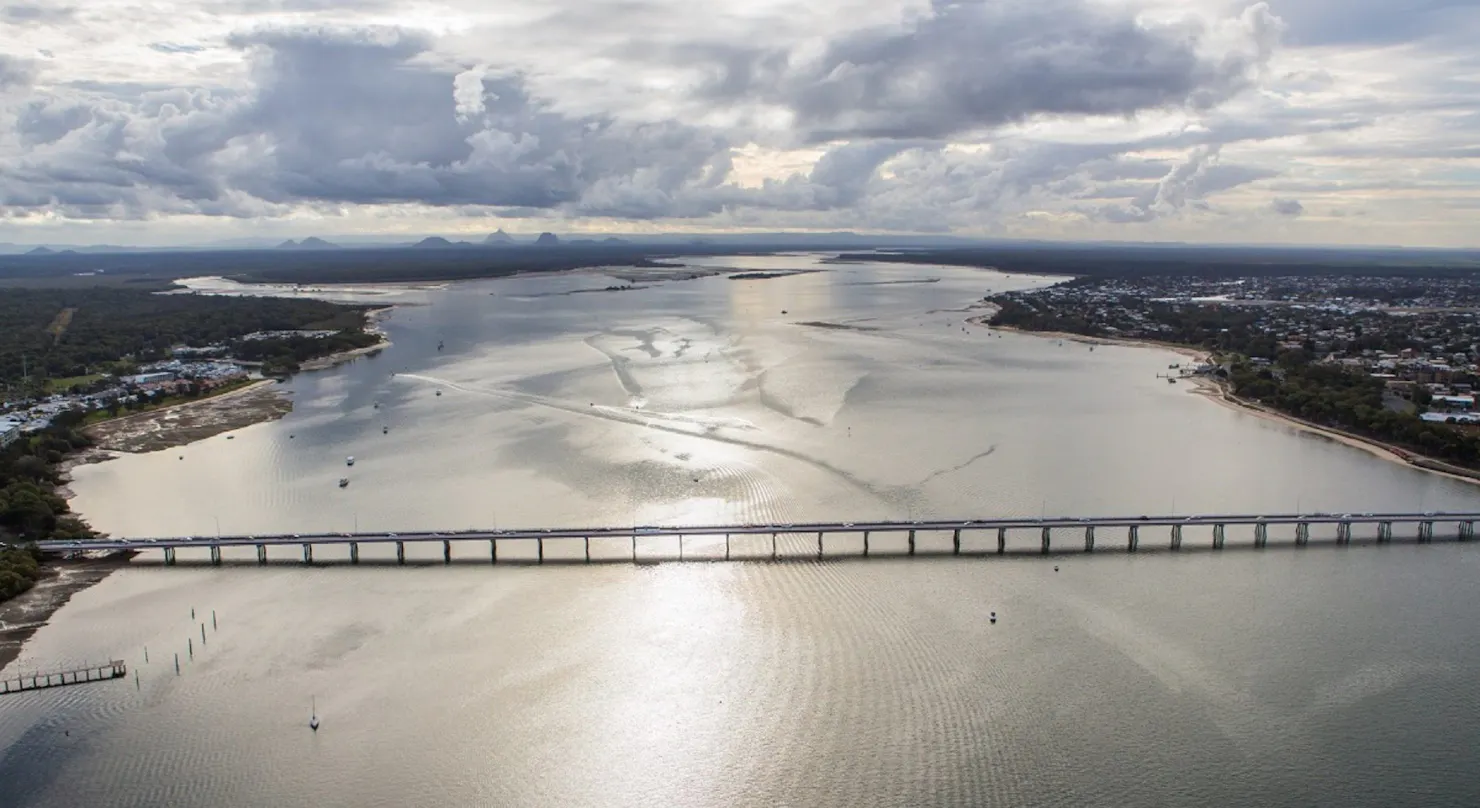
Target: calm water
1281,678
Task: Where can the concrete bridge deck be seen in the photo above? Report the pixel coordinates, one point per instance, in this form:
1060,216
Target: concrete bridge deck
1122,529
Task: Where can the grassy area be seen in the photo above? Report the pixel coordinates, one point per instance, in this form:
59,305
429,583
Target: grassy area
63,385
99,416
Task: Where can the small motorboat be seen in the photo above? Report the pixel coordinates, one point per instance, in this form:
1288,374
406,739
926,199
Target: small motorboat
385,430
349,461
439,345
313,716
439,392
343,482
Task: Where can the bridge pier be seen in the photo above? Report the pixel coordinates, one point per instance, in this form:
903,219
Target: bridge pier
865,544
215,555
1001,541
493,551
1302,534
262,554
1217,537
1425,531
1343,532
400,552
727,547
1132,538
540,548
446,551
1089,539
680,547
1466,531
819,545
912,541
1261,534
773,546
169,556
956,542
1176,537
588,550
1047,538
354,552
307,553
1384,532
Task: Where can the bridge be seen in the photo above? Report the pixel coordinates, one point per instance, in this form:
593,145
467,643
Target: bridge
114,669
975,537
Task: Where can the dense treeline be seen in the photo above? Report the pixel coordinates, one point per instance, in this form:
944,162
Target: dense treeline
19,569
1333,396
63,333
284,355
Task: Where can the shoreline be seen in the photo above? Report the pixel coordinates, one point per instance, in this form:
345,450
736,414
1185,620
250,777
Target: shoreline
1217,392
25,614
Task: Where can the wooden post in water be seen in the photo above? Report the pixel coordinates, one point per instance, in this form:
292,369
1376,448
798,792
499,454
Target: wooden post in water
190,646
202,635
177,664
213,621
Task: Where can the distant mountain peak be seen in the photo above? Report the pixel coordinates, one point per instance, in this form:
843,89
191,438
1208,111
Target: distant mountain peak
42,251
310,243
499,237
290,244
547,239
434,243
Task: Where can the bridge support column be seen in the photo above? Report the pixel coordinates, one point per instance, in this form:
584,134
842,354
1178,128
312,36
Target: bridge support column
727,547
354,552
1001,540
865,544
1047,538
400,552
912,541
1217,537
1425,531
169,556
215,556
956,542
588,549
680,547
1302,534
773,546
1089,539
308,553
540,548
493,551
634,548
1132,538
1343,532
261,554
1466,531
1176,537
1261,534
819,545
446,551
1384,532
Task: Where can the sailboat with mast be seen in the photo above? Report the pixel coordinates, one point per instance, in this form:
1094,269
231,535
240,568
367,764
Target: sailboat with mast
313,718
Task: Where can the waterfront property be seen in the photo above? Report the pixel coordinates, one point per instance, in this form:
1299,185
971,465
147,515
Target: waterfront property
1089,529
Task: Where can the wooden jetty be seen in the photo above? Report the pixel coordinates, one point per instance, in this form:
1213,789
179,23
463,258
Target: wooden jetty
114,669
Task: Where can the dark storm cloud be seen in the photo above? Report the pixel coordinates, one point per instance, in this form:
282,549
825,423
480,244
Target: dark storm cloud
338,117
970,64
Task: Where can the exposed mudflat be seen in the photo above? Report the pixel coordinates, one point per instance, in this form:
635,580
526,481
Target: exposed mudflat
195,420
21,616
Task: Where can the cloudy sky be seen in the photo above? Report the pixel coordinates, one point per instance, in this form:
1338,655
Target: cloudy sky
1319,121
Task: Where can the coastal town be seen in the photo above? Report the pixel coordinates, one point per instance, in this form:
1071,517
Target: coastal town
1407,346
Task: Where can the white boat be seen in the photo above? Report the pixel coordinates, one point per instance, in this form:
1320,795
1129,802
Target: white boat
313,718
349,461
